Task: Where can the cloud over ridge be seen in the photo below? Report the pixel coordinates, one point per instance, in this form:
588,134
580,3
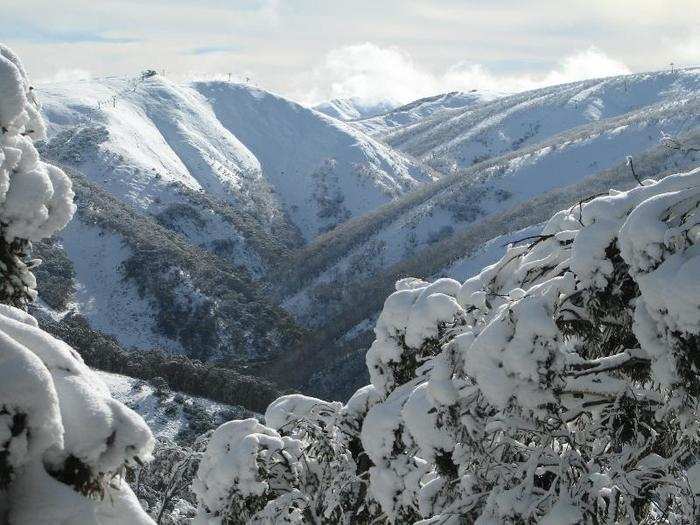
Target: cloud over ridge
371,73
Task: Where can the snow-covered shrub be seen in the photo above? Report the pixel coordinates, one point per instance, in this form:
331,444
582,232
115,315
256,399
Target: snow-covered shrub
248,470
559,385
36,199
305,466
64,441
163,485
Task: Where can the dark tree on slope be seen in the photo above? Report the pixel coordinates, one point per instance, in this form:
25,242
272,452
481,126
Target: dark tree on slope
18,284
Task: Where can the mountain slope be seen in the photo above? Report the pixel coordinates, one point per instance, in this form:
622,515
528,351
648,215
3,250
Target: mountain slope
352,108
441,227
446,103
149,287
158,148
472,194
348,305
219,254
147,140
322,170
494,128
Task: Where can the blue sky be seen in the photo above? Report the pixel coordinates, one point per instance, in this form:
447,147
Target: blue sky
312,50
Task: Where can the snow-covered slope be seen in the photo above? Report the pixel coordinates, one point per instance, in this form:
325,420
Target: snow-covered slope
323,171
110,302
462,138
168,414
238,173
353,108
503,153
158,147
346,305
153,133
411,231
449,103
149,287
146,140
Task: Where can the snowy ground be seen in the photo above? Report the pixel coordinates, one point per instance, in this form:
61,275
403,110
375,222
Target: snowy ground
111,303
165,414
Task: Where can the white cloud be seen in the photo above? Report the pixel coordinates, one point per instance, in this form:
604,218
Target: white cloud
372,74
367,72
590,63
686,51
65,75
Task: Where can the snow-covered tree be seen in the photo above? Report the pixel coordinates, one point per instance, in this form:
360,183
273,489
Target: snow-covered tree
64,441
163,485
306,466
36,199
559,385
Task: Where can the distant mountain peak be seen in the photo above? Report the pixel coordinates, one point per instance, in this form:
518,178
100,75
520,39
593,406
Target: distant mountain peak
353,108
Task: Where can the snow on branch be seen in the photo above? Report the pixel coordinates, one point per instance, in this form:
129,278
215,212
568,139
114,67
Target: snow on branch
36,199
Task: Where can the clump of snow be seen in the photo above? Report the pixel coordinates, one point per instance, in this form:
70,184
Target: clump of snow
417,312
39,499
36,199
288,409
56,413
231,472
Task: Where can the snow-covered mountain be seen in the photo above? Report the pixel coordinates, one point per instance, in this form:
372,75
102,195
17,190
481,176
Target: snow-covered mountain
353,108
501,165
422,108
174,179
145,140
137,280
567,143
506,124
323,171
